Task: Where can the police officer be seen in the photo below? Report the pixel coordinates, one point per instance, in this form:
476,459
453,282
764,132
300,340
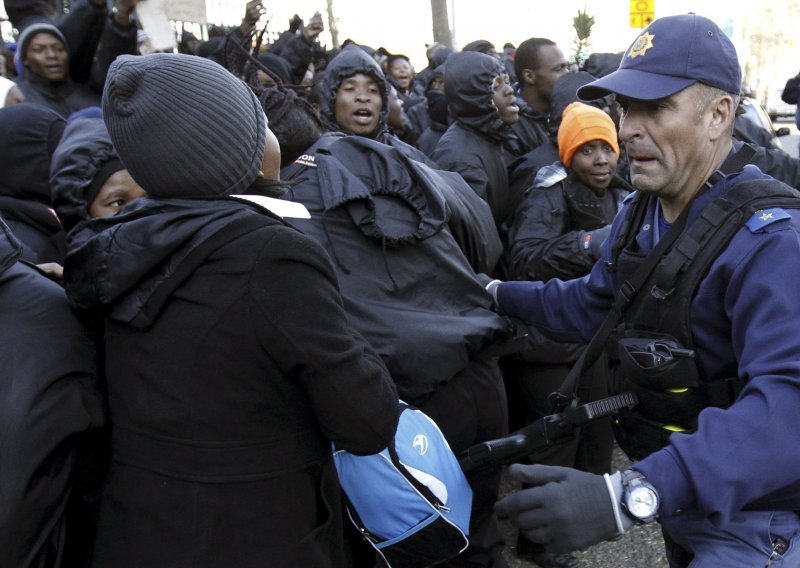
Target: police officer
708,342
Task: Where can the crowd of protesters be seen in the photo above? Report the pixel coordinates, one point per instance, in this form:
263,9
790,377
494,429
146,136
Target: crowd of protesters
177,359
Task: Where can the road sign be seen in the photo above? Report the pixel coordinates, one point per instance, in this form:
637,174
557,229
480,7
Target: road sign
642,13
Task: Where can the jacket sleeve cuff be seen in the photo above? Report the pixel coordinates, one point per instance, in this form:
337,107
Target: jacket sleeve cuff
669,477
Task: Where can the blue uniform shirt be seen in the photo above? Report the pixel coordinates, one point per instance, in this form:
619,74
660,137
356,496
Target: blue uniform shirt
745,322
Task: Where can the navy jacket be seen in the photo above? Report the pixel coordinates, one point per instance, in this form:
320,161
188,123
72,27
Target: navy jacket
743,320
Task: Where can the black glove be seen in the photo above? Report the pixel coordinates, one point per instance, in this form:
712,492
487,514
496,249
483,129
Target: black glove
590,241
565,510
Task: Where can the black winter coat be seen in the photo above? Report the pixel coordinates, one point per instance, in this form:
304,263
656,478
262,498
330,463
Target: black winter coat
231,368
544,239
28,135
389,222
51,412
532,126
473,144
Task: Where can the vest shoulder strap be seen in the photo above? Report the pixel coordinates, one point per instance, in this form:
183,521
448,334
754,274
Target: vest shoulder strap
721,219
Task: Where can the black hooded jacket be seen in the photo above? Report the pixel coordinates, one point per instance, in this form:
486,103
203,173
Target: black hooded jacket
84,147
29,135
70,95
545,236
231,368
350,61
51,406
391,225
473,144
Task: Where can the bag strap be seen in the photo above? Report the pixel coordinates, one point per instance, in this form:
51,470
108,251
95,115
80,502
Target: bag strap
629,288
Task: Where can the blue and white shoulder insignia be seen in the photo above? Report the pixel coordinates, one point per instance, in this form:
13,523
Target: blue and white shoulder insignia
761,219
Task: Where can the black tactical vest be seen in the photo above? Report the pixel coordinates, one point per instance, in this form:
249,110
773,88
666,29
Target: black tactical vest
651,350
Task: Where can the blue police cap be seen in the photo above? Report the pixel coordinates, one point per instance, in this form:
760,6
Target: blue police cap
669,55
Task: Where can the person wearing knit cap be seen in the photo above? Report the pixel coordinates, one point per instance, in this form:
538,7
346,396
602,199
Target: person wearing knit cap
523,170
70,77
231,365
580,125
556,232
692,309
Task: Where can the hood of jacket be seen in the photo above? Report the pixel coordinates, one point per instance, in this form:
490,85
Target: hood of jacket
359,173
29,134
128,264
84,147
351,61
468,86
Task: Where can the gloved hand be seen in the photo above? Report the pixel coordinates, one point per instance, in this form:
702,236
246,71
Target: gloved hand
565,510
590,241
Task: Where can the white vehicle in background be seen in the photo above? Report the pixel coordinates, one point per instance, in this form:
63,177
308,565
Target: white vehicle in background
775,106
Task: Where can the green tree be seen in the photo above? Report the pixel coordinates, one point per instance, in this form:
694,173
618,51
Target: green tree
582,23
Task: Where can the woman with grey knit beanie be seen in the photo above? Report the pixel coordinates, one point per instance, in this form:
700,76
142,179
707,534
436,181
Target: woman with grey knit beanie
230,363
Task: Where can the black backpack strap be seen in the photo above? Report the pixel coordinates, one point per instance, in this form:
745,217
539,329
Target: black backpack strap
717,224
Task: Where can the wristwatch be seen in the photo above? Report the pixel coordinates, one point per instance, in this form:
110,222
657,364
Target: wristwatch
640,499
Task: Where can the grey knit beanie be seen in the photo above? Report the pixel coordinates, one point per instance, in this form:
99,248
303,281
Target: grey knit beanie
183,126
32,26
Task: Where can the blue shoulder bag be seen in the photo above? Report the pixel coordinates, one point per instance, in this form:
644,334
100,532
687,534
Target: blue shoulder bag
411,501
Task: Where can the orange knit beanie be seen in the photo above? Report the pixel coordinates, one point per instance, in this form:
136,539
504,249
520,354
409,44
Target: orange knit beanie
581,123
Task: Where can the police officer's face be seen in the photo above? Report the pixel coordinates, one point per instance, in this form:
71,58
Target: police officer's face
668,143
358,105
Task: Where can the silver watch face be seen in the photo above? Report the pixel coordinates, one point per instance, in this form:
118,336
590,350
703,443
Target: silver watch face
642,502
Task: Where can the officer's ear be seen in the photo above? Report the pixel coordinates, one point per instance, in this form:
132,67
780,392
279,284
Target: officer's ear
723,111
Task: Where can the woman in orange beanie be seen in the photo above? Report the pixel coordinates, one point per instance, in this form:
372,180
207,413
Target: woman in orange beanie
556,233
564,216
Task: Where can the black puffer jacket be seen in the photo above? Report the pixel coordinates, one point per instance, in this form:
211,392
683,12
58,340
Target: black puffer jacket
473,144
29,134
84,147
51,410
388,222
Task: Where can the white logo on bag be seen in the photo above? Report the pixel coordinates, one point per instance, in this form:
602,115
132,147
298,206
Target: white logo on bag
421,444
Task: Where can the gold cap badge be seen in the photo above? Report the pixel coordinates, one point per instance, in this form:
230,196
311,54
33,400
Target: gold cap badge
641,45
